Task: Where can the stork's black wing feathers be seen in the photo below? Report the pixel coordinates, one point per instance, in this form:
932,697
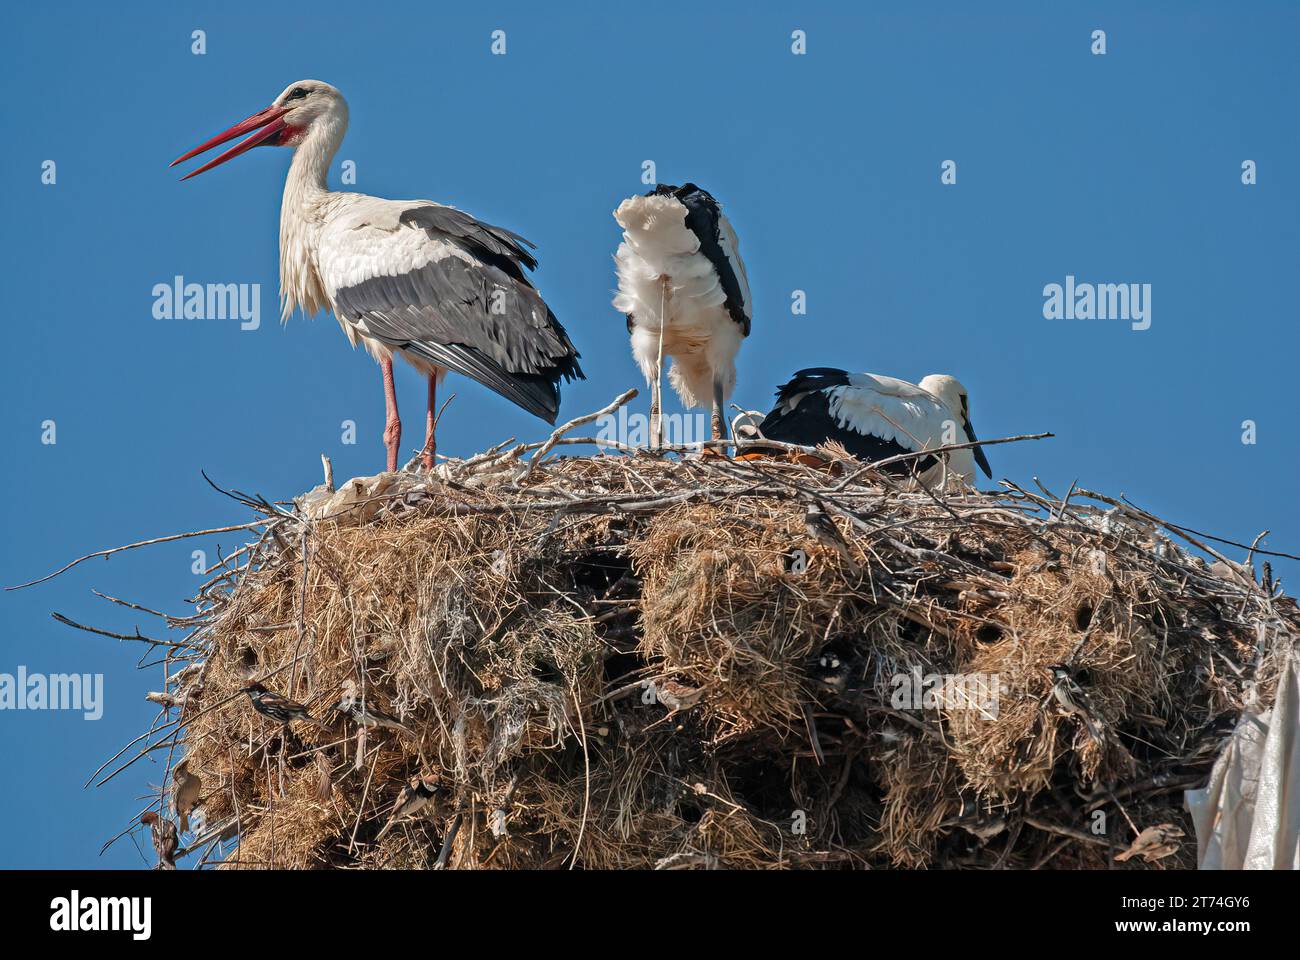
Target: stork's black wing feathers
477,315
702,213
812,378
810,422
504,248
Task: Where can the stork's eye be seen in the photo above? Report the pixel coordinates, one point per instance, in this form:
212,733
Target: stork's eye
297,93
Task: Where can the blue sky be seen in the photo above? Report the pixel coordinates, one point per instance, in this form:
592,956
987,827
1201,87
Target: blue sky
1117,168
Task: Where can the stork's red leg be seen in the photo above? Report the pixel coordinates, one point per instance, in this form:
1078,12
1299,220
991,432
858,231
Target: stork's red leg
430,442
392,424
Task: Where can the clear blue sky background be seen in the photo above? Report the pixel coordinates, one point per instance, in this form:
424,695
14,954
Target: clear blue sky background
1116,168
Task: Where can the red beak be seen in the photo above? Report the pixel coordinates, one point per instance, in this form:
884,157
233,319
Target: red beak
270,121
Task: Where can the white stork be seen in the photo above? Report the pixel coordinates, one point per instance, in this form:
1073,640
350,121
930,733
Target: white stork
876,417
682,286
409,277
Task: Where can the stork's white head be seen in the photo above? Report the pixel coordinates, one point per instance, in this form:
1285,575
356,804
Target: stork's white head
953,395
310,105
948,389
307,109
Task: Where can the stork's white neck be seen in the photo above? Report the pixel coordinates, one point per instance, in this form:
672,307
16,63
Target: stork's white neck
305,192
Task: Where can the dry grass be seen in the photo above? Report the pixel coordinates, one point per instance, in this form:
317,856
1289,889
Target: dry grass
535,628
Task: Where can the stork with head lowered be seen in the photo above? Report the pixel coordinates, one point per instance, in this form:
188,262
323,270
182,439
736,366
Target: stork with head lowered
683,289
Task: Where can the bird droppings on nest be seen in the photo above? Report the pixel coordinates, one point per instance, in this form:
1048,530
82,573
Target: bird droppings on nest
613,662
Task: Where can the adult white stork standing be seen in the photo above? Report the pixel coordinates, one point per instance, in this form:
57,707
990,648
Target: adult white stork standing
409,277
682,286
875,417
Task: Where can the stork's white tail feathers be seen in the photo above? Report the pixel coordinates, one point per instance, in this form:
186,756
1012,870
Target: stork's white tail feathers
657,243
656,229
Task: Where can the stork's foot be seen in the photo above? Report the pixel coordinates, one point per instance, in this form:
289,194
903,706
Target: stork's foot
719,432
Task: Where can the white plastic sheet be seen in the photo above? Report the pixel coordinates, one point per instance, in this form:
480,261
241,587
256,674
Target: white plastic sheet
1248,816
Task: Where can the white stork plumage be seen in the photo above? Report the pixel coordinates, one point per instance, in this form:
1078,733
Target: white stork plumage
409,277
875,417
682,286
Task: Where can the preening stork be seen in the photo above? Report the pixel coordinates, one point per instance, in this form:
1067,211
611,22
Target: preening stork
682,285
408,277
875,417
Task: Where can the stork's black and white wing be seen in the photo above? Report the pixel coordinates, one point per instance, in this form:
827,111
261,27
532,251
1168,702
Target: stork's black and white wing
873,417
718,244
448,292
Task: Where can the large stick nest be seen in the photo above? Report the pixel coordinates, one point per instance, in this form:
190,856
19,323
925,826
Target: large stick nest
630,662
